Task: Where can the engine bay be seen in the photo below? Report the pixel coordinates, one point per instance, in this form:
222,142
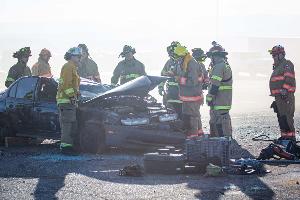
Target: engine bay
133,111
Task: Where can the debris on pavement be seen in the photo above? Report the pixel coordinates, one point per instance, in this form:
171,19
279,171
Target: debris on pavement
131,170
213,170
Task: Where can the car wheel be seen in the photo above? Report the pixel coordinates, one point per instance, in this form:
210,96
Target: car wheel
92,137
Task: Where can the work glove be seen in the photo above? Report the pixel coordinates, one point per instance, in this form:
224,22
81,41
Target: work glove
73,100
283,93
161,91
209,100
168,73
274,106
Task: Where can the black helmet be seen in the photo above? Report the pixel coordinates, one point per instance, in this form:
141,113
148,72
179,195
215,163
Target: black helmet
216,49
198,54
276,50
127,49
24,52
170,49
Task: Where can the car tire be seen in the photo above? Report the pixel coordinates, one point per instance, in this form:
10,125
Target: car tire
92,137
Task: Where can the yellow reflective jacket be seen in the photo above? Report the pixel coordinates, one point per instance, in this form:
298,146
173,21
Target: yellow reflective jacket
69,82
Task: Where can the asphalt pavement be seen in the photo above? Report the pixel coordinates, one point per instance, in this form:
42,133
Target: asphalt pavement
41,172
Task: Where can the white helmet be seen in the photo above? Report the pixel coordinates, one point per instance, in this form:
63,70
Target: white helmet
75,51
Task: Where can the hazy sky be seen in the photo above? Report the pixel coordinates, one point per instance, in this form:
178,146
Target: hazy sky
149,26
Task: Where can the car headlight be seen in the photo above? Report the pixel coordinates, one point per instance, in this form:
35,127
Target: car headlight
168,117
135,121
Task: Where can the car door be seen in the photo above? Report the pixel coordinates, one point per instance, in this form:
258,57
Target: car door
45,112
19,105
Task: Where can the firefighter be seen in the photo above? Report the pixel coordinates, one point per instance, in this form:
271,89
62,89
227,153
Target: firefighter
190,90
20,69
171,96
87,67
200,57
219,96
67,94
282,87
42,67
129,68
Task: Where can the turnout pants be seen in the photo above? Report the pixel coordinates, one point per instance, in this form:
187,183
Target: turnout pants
220,123
68,124
285,109
192,118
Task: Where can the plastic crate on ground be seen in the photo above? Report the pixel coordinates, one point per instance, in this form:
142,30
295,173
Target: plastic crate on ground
204,150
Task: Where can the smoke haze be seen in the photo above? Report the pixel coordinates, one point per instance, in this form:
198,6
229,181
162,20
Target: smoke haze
247,29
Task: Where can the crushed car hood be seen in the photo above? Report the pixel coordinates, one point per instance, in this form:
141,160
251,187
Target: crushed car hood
140,86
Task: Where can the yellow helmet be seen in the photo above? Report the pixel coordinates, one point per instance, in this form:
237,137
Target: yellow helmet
180,51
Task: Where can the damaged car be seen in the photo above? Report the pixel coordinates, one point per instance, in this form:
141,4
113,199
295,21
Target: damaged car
124,117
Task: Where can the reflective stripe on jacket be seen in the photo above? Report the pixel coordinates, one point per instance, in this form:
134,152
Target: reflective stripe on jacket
283,77
130,76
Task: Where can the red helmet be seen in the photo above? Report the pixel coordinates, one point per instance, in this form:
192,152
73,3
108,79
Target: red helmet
216,50
276,50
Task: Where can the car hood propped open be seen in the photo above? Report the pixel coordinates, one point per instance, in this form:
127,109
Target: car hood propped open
140,86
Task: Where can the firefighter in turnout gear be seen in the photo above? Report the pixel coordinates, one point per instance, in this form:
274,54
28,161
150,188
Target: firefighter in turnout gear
42,67
219,96
20,69
282,87
171,96
87,67
67,94
129,68
190,78
200,57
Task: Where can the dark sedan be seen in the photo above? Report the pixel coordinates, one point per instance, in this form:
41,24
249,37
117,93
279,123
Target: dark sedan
125,116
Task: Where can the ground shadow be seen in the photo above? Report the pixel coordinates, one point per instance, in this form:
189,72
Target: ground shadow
51,169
